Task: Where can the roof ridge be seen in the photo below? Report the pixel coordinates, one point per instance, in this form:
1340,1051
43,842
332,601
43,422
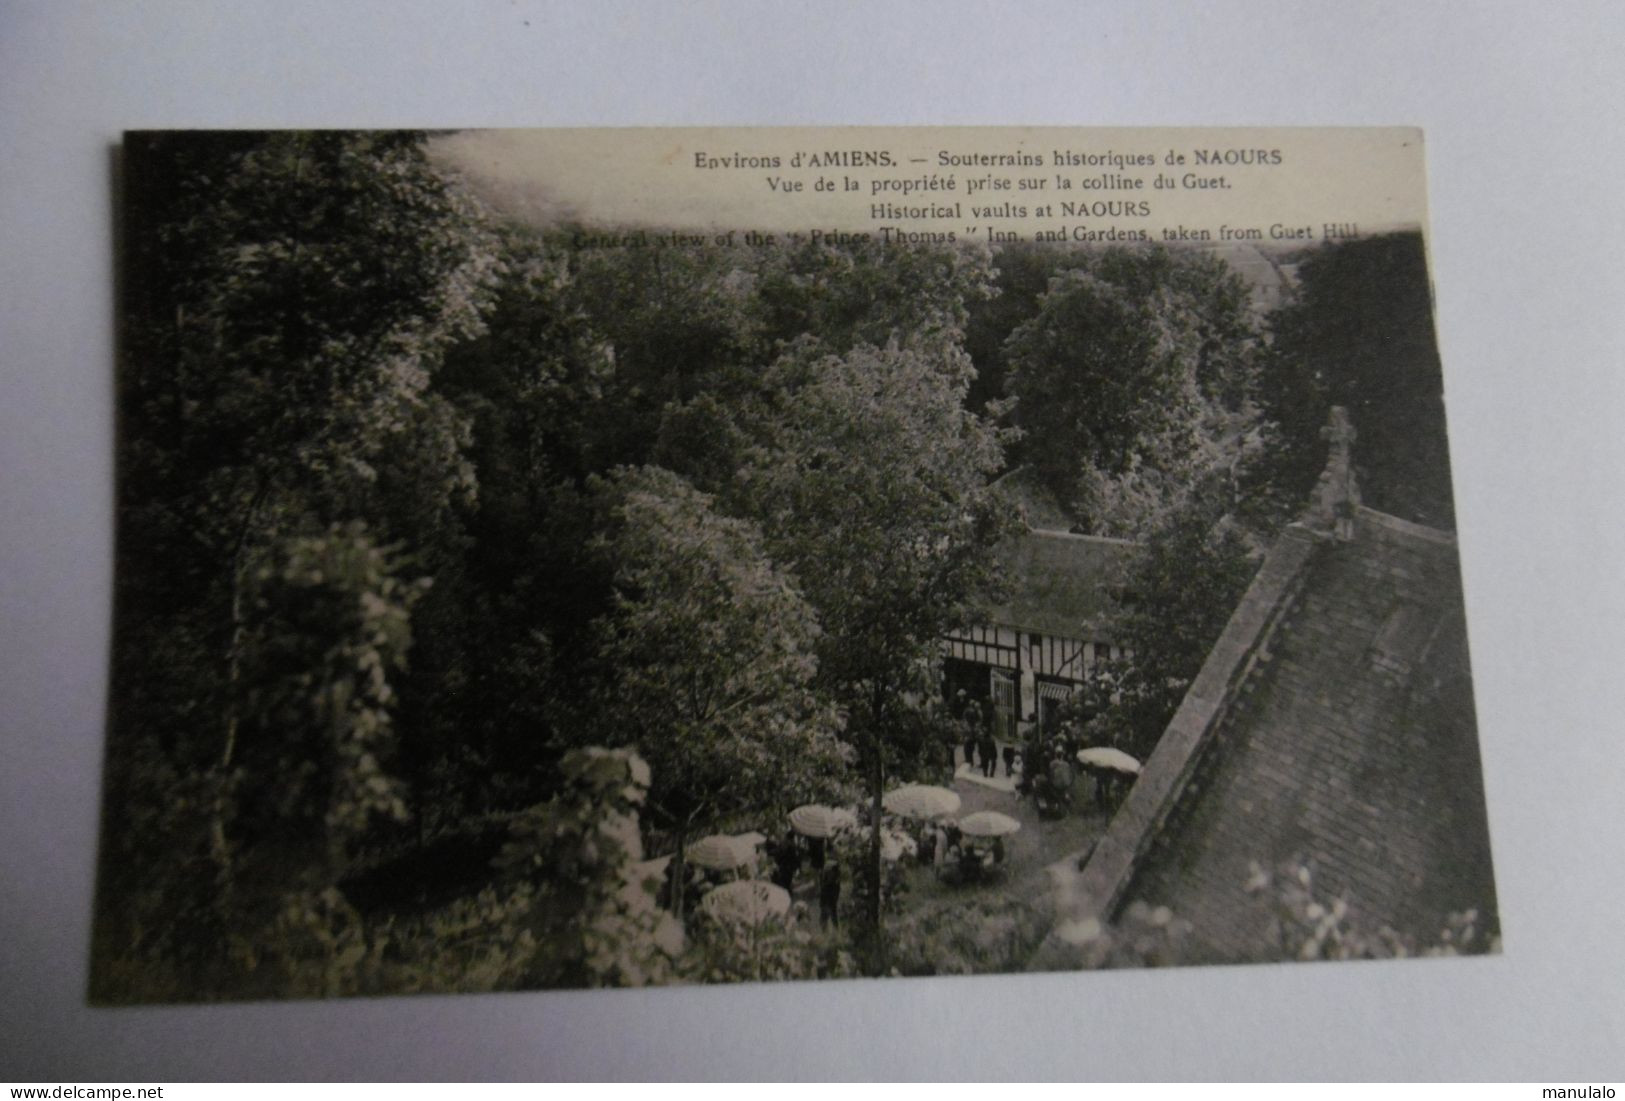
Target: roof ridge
1167,771
1103,540
1410,528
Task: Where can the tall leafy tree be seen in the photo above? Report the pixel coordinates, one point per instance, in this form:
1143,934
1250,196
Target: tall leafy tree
1359,333
532,387
678,323
579,914
1131,382
1175,601
706,661
872,293
871,483
1022,273
328,629
290,298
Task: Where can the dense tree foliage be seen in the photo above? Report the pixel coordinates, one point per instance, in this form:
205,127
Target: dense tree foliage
1131,381
873,489
459,563
1359,333
1174,604
360,416
294,295
706,661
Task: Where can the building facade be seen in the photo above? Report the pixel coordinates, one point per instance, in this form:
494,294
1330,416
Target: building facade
1033,651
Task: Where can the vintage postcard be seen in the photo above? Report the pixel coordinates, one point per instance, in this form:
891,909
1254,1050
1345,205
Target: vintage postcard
623,557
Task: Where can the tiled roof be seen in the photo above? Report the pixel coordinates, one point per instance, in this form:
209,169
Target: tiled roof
1332,723
1062,584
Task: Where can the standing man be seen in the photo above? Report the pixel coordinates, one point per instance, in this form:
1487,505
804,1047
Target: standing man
971,719
953,732
829,892
1062,779
989,750
787,861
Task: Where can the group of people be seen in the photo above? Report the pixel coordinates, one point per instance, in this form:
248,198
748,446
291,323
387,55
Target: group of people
791,853
785,860
944,847
697,883
1053,782
1046,771
982,750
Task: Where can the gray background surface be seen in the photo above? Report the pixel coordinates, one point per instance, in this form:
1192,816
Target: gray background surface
1521,106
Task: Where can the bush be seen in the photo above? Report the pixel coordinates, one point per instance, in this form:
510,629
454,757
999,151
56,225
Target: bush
996,933
1306,927
772,950
1144,936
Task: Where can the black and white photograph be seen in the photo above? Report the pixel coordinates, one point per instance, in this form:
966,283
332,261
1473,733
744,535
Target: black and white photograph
515,594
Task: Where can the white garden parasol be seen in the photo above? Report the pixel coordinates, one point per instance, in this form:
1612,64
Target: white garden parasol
921,801
719,852
988,823
747,901
813,820
1101,756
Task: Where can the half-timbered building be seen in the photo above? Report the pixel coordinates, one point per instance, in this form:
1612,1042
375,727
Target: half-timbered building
1027,655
